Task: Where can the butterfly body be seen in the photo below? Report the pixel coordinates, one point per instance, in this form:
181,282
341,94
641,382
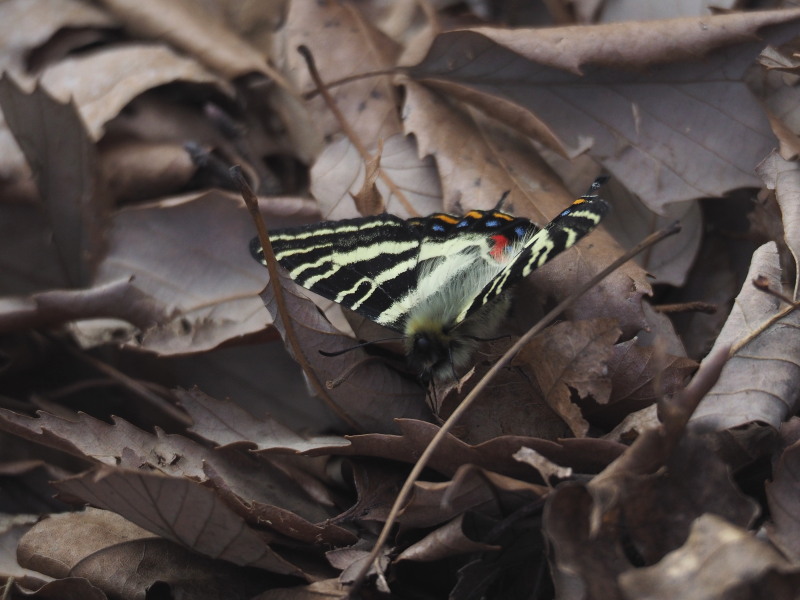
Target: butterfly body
441,281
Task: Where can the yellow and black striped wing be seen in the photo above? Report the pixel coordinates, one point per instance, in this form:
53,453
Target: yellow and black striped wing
560,234
367,265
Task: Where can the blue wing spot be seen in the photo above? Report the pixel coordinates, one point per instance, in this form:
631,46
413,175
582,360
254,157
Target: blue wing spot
437,227
520,230
463,223
566,213
492,223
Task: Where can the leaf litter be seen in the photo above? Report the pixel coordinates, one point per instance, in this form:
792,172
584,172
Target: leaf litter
126,280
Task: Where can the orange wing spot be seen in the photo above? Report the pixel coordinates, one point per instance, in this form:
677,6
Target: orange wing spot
473,214
579,201
499,215
450,219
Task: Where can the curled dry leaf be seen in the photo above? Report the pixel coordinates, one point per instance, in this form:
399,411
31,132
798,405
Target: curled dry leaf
748,391
782,493
459,536
339,171
179,510
275,497
556,84
583,455
56,145
226,423
125,560
103,82
571,358
783,177
719,560
194,244
188,26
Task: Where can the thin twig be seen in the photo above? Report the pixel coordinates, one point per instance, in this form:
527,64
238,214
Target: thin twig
448,425
792,306
280,300
348,130
684,307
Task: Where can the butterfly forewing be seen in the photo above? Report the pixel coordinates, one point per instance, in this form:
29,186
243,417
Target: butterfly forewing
366,265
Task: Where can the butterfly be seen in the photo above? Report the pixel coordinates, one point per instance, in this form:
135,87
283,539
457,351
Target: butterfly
442,281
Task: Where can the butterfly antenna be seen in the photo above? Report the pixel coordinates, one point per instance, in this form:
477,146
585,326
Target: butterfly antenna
502,201
596,185
362,345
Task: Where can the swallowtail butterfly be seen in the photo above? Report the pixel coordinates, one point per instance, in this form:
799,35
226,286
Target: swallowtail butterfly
441,280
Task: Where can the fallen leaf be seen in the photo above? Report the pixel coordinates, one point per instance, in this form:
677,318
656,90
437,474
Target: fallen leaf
782,491
60,153
747,390
783,177
719,560
571,358
459,536
184,512
126,561
567,95
187,26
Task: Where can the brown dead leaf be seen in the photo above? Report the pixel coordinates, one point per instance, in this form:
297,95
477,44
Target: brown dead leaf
135,171
478,162
582,455
514,408
226,423
368,199
27,255
545,467
27,24
179,510
783,177
760,380
459,536
125,560
103,82
669,134
572,358
669,261
188,27
328,589
275,497
719,560
782,493
343,43
12,528
584,564
190,256
348,383
69,588
58,149
634,10
640,375
339,171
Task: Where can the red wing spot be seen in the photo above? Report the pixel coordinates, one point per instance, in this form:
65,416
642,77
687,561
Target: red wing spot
500,243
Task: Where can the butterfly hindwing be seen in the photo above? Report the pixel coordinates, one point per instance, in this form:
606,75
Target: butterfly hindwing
560,234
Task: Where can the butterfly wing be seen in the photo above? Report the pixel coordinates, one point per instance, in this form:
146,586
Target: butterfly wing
364,264
561,233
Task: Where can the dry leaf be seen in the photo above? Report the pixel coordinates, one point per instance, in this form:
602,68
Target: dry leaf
747,390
